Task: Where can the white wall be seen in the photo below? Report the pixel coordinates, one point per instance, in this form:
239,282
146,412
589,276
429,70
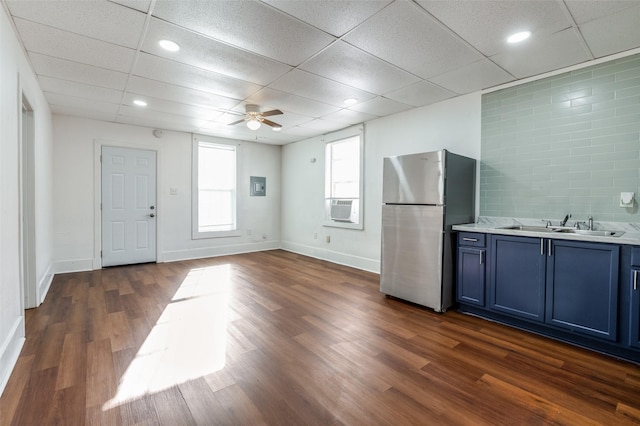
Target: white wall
16,78
452,124
76,193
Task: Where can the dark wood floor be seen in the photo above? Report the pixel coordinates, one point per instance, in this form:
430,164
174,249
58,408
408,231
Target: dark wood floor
278,338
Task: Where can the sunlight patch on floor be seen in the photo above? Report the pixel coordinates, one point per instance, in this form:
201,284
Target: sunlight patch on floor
188,340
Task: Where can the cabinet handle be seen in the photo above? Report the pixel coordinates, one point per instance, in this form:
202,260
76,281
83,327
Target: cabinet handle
473,240
549,253
541,246
481,257
635,280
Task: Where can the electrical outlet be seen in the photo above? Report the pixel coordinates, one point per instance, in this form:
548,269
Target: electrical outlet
328,238
264,236
315,235
249,231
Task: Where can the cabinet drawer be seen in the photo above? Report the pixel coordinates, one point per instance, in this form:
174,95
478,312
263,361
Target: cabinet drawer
635,256
473,239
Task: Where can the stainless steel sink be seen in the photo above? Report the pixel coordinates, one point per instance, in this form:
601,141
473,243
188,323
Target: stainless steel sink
564,230
529,228
595,233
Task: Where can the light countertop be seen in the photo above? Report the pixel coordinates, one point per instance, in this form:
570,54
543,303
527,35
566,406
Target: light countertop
631,235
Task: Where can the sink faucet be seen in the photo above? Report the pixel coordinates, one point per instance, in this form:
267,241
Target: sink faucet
589,223
564,221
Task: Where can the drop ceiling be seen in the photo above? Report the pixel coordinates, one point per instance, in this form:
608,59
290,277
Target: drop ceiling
93,58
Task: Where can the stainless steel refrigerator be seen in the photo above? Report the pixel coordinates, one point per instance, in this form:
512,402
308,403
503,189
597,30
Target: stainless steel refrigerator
423,196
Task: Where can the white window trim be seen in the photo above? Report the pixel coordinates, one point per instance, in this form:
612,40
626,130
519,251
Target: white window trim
334,137
196,234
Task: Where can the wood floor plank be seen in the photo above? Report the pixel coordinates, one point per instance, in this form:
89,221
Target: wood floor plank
290,340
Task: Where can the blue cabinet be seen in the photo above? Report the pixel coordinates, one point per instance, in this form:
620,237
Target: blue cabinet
582,287
517,276
581,292
633,283
470,283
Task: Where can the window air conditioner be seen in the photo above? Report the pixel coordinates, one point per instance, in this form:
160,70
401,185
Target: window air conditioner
341,210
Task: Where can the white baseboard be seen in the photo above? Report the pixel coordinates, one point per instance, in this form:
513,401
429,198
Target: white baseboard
10,350
200,253
76,265
45,283
370,265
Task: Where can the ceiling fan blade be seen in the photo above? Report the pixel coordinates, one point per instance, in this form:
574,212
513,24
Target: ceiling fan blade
271,123
272,112
236,122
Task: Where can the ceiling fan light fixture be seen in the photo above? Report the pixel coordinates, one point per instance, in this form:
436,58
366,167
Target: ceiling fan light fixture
169,45
518,37
276,129
253,124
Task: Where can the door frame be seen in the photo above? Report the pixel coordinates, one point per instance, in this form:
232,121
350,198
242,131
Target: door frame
30,291
97,181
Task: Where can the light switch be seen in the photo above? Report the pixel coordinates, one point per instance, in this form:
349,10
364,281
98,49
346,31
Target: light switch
173,190
626,199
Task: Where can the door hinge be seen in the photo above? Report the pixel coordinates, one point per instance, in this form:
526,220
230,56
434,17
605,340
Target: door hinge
100,253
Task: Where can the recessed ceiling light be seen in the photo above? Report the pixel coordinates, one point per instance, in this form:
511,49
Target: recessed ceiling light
169,45
350,101
139,102
518,37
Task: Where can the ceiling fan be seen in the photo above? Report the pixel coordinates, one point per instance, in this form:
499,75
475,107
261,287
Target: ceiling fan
254,118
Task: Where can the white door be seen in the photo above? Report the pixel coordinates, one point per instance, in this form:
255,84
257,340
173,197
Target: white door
128,206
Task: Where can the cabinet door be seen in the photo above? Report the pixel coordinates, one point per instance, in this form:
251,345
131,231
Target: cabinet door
517,276
582,287
471,272
634,325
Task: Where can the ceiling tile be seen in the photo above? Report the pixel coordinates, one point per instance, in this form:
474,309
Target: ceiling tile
269,98
206,53
81,112
420,94
318,88
487,24
567,50
614,33
334,16
68,70
585,11
381,106
81,103
159,117
155,123
162,69
250,25
405,35
80,90
322,126
473,77
40,38
171,92
353,67
141,5
176,108
348,116
92,19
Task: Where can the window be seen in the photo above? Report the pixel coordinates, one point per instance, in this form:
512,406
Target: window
215,195
343,182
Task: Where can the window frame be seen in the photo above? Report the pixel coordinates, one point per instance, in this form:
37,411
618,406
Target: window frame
195,190
337,137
